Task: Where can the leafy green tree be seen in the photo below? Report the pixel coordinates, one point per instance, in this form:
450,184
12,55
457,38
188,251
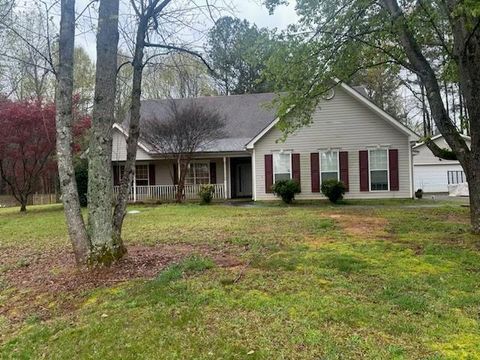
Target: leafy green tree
177,75
238,53
337,39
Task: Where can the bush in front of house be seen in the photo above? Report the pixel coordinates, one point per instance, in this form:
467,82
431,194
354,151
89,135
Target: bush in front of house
333,190
286,189
206,193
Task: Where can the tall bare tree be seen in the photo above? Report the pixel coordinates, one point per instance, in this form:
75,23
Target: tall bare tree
148,14
64,118
95,244
189,128
104,247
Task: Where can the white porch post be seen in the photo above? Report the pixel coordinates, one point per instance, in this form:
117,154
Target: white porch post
225,195
134,187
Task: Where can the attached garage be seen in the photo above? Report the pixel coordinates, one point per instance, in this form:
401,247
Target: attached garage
434,178
432,174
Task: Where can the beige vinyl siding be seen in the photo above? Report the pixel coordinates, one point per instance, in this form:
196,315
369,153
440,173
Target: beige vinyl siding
343,124
119,148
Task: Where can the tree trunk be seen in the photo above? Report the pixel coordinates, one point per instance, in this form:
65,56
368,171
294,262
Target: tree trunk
181,180
473,178
104,247
133,132
23,206
75,225
467,55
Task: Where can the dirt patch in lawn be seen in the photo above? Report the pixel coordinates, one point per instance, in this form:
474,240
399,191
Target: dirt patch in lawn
364,226
49,282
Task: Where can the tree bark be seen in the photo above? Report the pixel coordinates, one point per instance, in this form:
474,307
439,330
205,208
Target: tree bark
104,247
473,179
75,224
134,129
181,179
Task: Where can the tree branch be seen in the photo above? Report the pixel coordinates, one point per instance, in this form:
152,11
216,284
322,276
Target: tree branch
181,49
421,66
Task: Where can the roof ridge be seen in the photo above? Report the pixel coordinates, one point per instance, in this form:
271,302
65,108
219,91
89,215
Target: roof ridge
211,97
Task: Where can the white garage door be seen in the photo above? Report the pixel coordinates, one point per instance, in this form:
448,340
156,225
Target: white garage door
433,178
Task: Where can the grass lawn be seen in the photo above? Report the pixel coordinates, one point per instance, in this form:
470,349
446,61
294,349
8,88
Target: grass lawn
311,281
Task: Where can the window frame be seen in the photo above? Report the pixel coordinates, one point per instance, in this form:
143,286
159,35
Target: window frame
193,162
320,164
142,179
289,153
370,170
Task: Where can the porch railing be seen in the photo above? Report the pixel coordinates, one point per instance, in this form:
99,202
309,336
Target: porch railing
168,192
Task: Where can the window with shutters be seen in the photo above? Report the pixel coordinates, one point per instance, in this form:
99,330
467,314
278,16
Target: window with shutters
282,166
198,173
141,175
378,165
329,166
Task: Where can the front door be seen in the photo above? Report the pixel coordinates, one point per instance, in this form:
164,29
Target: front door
243,179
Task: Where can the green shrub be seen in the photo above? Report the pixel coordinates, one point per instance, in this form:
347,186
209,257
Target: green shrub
206,193
81,176
333,190
286,189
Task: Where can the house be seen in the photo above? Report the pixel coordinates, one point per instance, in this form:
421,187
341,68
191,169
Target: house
432,174
350,139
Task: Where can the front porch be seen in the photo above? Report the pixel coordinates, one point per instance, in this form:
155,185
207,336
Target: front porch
157,179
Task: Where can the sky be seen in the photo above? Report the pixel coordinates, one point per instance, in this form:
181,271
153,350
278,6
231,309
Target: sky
255,12
252,10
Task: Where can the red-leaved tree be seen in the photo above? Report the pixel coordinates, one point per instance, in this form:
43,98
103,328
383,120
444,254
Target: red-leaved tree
27,145
27,142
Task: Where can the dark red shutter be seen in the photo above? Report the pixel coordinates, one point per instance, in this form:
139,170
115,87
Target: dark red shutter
213,172
363,156
296,167
393,167
151,174
315,172
343,160
268,173
175,174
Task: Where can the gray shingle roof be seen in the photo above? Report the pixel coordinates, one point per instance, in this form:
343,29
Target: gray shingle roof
245,116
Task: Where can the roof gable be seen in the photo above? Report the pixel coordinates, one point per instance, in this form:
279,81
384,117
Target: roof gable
356,95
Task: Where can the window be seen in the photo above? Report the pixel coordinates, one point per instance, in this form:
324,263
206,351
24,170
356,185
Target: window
141,175
282,166
378,166
198,173
329,165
